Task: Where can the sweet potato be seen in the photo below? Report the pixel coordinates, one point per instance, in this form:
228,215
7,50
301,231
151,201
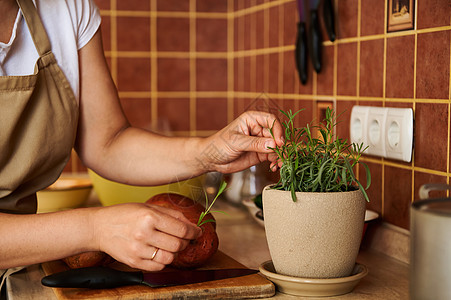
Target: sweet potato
201,249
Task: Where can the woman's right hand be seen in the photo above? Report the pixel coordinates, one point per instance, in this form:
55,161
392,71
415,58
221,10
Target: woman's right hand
131,232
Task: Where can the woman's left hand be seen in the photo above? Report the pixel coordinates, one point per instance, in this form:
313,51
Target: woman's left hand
246,141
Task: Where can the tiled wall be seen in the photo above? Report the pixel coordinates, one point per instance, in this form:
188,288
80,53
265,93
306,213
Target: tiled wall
195,65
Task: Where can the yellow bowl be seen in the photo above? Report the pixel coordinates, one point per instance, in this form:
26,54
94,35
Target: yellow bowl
110,192
65,193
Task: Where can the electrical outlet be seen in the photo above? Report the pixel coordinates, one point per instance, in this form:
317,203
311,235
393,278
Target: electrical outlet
388,132
359,117
399,134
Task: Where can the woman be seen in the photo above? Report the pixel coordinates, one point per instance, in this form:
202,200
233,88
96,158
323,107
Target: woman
69,100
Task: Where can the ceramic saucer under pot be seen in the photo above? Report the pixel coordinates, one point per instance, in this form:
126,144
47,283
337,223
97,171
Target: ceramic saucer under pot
312,286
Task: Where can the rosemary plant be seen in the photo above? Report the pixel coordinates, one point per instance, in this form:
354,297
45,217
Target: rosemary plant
323,164
208,210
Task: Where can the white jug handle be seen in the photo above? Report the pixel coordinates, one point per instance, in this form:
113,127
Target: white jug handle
426,188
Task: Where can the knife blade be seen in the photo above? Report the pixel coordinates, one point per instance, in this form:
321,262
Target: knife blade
105,278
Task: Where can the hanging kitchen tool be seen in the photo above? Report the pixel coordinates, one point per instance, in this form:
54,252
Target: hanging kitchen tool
329,19
301,45
315,36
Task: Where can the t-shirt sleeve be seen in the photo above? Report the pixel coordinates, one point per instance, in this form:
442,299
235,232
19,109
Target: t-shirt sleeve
88,21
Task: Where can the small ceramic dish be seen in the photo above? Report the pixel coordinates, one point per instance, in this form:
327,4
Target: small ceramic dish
312,286
370,216
254,211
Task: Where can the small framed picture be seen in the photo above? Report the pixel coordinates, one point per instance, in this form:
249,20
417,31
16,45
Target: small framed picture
400,15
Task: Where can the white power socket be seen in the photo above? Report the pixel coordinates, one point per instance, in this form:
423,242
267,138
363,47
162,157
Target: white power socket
387,131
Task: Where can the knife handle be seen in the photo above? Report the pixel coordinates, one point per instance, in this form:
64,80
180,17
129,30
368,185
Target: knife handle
301,52
329,19
92,277
316,40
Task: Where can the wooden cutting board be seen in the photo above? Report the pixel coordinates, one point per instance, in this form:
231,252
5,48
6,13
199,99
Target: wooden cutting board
250,286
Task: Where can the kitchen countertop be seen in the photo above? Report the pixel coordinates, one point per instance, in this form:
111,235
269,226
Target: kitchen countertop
244,240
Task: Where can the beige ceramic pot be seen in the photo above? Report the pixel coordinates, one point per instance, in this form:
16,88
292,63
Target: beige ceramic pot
318,236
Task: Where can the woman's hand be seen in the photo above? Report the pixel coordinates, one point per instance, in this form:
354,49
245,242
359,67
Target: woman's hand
131,233
244,142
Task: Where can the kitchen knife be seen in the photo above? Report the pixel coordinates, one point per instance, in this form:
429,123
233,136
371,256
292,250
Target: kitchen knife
315,36
301,45
105,278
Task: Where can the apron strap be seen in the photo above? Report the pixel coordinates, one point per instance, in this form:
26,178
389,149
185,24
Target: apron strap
37,31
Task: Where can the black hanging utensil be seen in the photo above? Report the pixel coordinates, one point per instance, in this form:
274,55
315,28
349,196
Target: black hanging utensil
329,19
315,36
301,45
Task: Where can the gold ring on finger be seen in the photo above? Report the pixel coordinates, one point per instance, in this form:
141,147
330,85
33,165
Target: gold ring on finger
154,253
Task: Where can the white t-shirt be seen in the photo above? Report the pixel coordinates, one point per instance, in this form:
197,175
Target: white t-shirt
69,24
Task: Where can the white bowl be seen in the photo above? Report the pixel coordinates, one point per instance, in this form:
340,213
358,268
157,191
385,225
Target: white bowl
253,210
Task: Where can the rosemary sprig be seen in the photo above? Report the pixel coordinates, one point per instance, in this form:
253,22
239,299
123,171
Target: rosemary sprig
208,210
323,164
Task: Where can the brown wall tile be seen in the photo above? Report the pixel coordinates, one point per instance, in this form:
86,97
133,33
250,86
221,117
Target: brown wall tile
374,192
290,73
433,65
103,4
347,18
421,178
306,116
397,196
137,39
238,74
138,5
343,112
325,79
211,35
246,74
172,5
211,6
106,33
174,111
210,113
431,134
173,34
237,4
274,30
238,38
433,13
290,23
259,73
347,69
372,17
247,32
400,66
138,112
134,74
211,74
273,70
259,33
287,104
372,68
173,74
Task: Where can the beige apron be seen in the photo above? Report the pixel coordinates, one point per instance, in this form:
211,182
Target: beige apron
38,123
